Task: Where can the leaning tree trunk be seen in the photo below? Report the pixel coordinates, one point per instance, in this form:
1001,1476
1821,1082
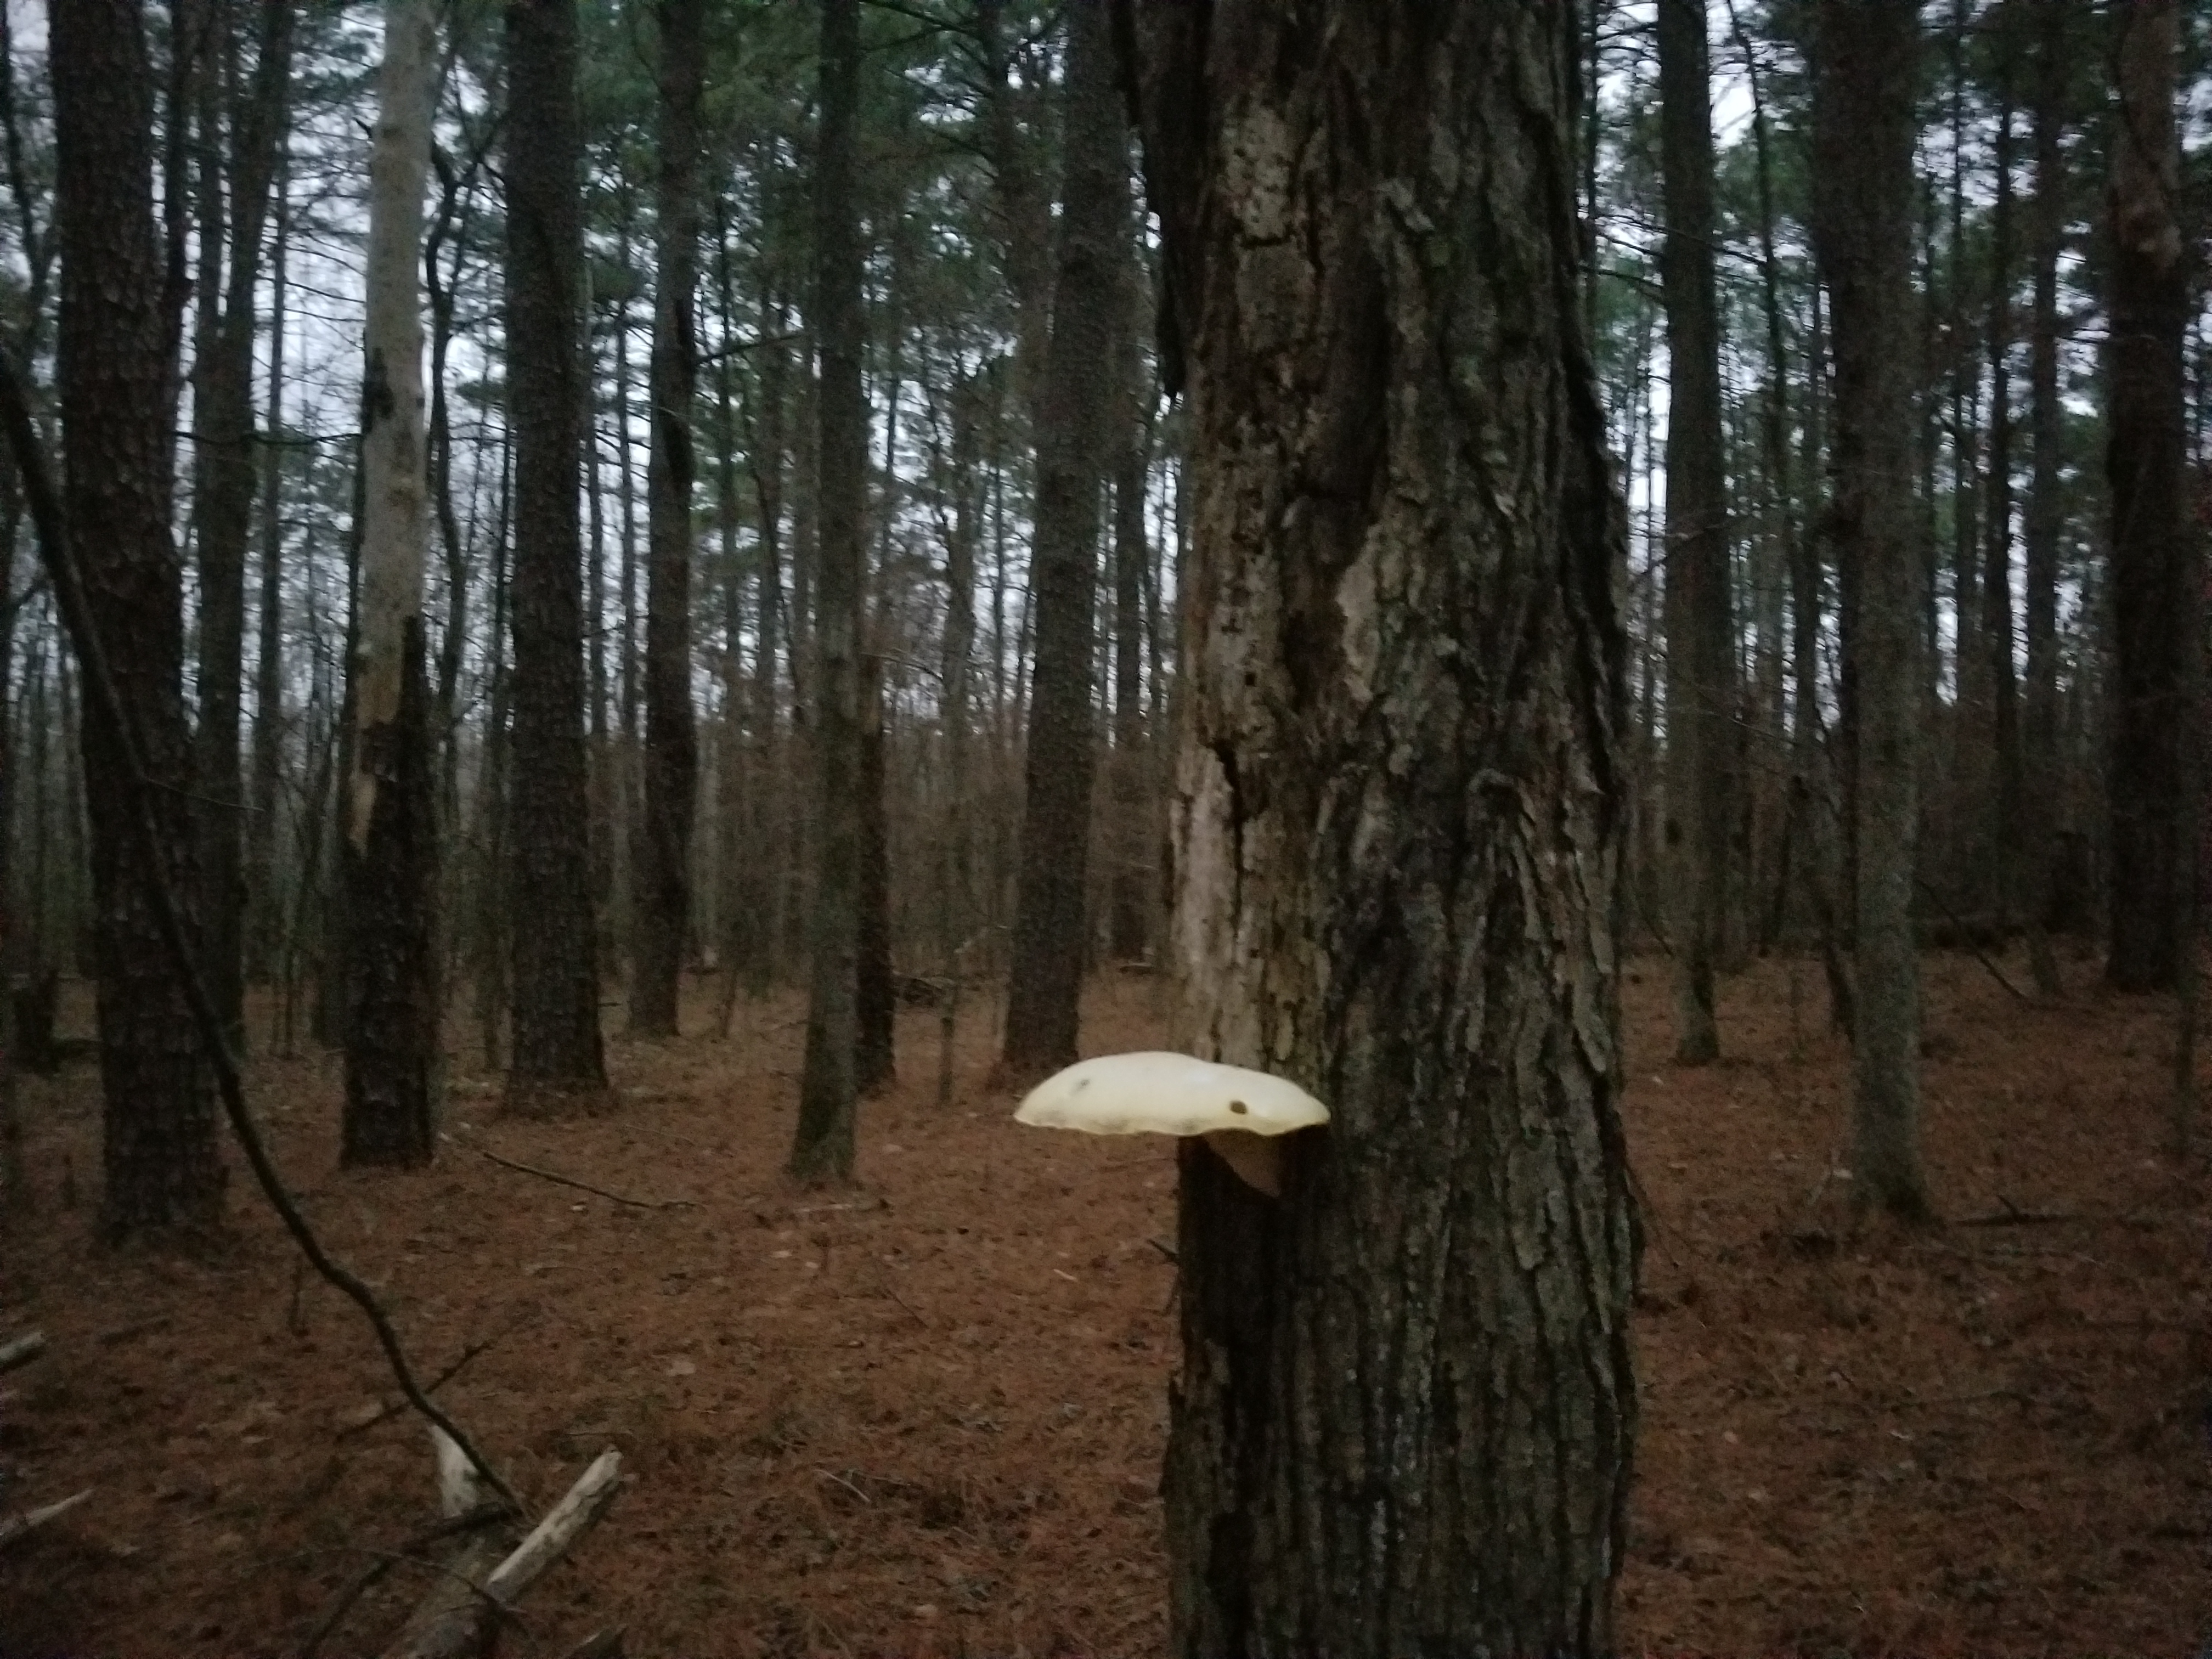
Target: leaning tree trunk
556,1056
1862,229
822,1149
388,825
161,1158
2155,598
1405,1407
1700,626
1050,928
662,908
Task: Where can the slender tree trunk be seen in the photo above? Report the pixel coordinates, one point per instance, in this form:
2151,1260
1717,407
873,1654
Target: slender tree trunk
662,863
1050,927
875,1007
2046,502
264,900
2155,595
556,1059
1866,53
223,513
160,1155
956,877
1024,205
1406,1406
1132,839
2001,809
390,822
823,1148
1700,627
1969,748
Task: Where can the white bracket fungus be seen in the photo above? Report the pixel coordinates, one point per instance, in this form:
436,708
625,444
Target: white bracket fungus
1238,1111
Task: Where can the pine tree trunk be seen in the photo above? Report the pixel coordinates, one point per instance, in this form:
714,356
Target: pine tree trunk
2154,596
557,1061
1405,1410
2045,502
223,515
822,1150
1050,934
389,818
2000,809
662,863
265,897
875,1006
1132,837
160,1153
1700,626
1862,225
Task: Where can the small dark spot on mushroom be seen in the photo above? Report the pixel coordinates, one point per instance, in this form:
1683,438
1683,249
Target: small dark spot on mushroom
1239,1106
1081,1083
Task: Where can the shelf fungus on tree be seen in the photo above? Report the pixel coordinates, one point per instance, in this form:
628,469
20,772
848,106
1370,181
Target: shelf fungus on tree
1238,1112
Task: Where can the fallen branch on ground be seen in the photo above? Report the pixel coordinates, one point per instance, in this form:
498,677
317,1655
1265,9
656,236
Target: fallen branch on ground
2010,1214
584,1186
451,1631
452,1525
14,1527
386,1407
1979,954
21,1350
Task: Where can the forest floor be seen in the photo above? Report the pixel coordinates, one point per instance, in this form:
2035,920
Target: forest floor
925,1417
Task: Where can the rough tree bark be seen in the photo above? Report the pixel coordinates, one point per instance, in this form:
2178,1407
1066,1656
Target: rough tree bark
1406,1406
1865,57
662,861
160,1154
822,1149
555,1060
1050,933
1700,625
2154,596
388,841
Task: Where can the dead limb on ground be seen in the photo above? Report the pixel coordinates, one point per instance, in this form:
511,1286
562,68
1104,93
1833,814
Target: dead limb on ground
479,1585
560,1180
21,1350
14,1528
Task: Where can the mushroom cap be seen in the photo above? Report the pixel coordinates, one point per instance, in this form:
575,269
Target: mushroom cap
1160,1093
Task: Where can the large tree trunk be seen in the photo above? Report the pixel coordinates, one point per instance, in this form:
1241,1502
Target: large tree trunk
160,1157
223,515
1406,1406
556,1059
822,1147
1050,927
2155,597
1866,53
389,827
662,863
1700,627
